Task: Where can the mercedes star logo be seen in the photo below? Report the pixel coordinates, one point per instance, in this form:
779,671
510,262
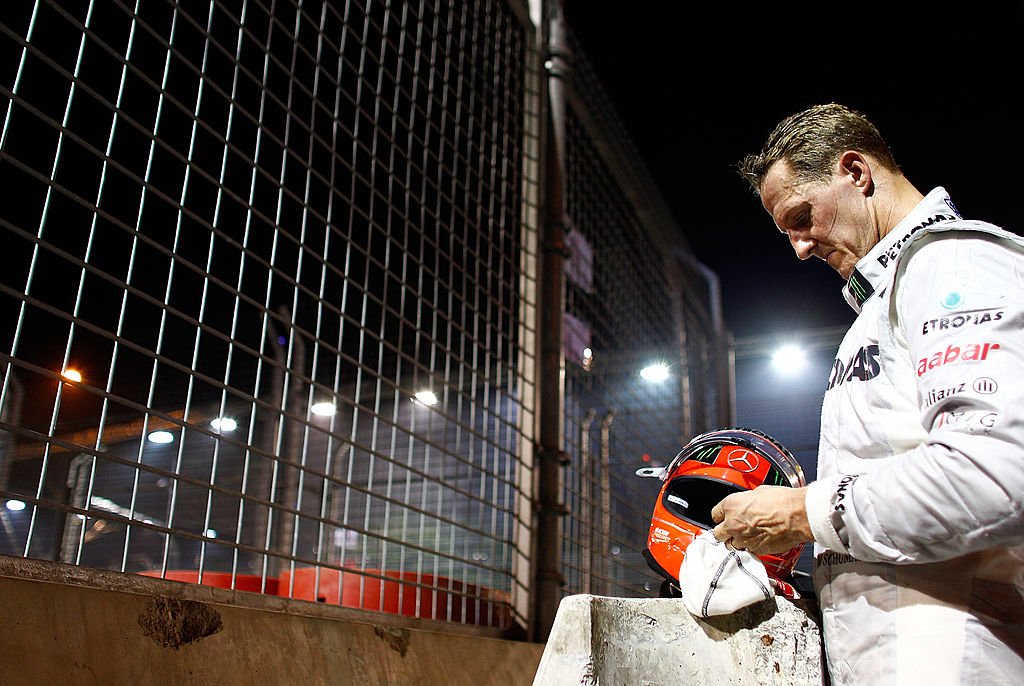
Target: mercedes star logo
743,461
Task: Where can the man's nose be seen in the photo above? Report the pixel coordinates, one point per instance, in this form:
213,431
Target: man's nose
803,246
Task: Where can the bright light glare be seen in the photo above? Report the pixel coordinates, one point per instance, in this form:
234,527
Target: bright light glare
211,533
72,375
224,424
789,359
161,437
323,409
655,372
15,505
427,398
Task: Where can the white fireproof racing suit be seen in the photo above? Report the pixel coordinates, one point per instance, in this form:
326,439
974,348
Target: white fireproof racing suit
918,509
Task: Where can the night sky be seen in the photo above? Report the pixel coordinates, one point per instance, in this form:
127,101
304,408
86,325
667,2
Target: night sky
699,89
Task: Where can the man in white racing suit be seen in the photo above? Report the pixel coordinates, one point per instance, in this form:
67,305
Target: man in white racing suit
917,514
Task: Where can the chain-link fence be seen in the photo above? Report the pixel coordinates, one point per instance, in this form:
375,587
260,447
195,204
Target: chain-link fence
646,304
269,297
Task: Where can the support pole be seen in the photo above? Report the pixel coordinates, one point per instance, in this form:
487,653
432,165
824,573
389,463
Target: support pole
548,507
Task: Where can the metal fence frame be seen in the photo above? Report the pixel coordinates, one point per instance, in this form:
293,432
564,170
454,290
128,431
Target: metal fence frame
422,181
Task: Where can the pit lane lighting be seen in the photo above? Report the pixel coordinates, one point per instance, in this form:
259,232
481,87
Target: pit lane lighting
655,373
323,409
15,505
789,359
72,375
160,437
427,398
224,424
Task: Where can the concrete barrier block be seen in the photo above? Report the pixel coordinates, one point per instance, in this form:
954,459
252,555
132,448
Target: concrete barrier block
599,641
63,624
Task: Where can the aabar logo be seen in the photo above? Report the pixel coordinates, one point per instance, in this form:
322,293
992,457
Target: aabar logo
953,353
863,366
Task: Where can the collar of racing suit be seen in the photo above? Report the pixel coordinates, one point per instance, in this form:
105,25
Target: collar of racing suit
876,267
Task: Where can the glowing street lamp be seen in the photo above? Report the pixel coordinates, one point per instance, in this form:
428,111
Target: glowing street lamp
323,409
655,373
160,437
72,375
224,424
789,359
428,398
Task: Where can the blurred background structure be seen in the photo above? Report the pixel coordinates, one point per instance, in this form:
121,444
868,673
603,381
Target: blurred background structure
780,382
341,302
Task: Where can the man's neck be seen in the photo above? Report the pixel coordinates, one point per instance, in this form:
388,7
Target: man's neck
895,197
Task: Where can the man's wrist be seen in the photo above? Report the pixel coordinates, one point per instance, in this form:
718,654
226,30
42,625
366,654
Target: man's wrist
819,502
801,522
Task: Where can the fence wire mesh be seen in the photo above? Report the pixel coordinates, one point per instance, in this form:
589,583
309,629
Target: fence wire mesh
636,299
268,299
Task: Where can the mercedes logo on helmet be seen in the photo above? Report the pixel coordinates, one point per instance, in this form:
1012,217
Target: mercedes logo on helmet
743,461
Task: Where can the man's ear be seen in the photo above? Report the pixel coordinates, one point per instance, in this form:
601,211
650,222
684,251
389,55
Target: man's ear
856,167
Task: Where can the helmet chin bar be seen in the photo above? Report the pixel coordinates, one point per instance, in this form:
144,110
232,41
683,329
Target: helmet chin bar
710,467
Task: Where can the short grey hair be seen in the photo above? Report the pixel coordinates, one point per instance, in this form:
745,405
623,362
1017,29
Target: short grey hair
812,140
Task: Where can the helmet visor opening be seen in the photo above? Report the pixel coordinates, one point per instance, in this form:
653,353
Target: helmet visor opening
693,498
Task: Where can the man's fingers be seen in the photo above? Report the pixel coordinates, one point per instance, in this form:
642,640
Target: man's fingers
718,516
717,513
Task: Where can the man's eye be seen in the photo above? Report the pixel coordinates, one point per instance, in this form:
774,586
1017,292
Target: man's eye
803,218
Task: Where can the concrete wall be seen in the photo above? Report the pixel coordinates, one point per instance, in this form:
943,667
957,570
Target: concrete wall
655,642
61,624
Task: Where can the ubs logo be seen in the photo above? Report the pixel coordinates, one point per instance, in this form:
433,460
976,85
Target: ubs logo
985,385
744,461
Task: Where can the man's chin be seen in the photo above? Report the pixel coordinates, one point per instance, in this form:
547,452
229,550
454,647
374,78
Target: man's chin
844,267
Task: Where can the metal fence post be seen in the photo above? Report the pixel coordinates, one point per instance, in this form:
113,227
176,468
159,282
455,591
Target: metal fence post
587,488
549,509
605,532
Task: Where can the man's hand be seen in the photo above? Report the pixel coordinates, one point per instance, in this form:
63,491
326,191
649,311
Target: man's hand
766,520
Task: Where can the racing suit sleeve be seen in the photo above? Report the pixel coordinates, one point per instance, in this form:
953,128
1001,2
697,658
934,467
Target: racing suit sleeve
957,314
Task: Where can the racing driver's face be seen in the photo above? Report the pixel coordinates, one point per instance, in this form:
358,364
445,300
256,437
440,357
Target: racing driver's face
831,221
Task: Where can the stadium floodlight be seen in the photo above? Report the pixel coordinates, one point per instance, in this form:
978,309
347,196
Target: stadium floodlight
323,409
655,373
160,437
428,398
789,359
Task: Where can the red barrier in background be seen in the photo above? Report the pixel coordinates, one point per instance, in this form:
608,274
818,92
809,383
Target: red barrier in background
407,593
243,582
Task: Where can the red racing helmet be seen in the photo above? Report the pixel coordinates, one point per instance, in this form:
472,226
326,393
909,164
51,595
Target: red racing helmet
710,467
